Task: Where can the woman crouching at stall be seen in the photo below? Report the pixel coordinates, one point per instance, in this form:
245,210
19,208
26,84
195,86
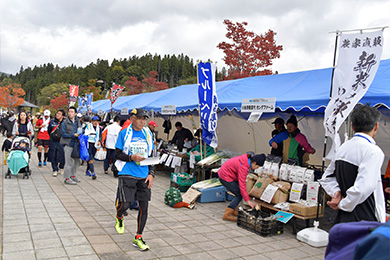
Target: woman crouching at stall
233,176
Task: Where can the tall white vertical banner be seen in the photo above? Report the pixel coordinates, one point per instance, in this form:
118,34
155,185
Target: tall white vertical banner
208,103
358,60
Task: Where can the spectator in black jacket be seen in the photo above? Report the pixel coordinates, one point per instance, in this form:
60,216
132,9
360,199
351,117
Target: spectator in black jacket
6,148
181,135
279,127
56,150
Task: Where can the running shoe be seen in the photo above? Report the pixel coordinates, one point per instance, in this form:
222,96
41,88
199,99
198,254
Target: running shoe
140,244
44,164
119,225
40,164
74,178
70,182
88,173
55,173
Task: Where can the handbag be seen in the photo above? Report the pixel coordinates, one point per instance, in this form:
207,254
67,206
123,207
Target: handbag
84,155
76,150
101,154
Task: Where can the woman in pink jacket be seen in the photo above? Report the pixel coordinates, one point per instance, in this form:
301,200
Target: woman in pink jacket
233,176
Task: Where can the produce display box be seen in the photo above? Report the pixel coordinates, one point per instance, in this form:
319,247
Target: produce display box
255,222
303,210
182,179
214,194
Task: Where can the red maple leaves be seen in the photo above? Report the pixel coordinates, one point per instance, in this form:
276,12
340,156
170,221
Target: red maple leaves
10,95
148,84
249,54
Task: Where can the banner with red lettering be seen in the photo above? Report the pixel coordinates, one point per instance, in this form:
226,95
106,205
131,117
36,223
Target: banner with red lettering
116,90
73,94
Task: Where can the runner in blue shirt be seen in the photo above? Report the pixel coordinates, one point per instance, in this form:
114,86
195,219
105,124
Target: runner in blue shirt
134,144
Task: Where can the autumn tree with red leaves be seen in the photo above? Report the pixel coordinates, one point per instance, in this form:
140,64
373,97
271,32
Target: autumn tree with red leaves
60,102
134,86
148,84
11,95
249,54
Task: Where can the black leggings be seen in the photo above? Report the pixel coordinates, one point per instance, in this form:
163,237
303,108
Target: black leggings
142,213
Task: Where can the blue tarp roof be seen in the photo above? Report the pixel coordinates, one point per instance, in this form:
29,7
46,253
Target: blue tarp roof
299,91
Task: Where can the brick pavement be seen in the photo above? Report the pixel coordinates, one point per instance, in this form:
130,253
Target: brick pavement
44,219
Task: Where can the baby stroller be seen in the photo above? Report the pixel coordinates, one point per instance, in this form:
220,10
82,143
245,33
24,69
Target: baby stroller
19,157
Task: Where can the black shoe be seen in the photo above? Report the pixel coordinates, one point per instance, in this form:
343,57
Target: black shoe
125,213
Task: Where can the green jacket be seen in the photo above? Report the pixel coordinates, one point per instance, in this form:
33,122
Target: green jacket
172,196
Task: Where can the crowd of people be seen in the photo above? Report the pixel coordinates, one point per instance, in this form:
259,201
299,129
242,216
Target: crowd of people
353,179
55,138
59,138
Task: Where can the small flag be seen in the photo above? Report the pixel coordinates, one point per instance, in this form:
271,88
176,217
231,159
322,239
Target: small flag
116,90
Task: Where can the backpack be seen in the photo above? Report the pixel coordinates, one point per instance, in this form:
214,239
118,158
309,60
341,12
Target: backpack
55,134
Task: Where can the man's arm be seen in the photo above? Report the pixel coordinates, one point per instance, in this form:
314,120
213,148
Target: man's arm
328,180
301,139
189,135
174,139
119,155
279,138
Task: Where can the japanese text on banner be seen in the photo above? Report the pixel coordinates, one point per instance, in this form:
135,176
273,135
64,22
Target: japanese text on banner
358,60
73,93
208,103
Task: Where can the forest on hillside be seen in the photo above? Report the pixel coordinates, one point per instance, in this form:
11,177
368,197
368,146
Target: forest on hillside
169,69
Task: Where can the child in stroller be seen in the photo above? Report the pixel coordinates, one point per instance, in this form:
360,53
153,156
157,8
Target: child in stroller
19,157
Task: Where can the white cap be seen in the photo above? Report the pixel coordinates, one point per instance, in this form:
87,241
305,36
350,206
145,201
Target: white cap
79,115
46,112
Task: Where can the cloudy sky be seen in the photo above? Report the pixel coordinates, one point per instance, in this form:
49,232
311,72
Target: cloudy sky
34,32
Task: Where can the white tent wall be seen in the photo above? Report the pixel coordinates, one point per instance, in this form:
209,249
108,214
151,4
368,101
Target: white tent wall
236,134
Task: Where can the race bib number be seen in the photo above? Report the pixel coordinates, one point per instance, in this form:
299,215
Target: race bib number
139,147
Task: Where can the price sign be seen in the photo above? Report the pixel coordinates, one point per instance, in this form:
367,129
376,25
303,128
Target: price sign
168,110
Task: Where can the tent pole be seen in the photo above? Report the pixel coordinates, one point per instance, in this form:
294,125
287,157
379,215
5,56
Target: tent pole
330,97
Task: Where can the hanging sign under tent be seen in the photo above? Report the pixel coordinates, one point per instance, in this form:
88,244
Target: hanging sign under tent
257,107
168,110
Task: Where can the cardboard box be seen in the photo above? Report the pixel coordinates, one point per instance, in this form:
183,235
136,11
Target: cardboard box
302,210
214,194
190,196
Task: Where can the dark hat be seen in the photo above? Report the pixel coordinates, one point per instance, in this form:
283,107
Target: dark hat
259,159
292,120
278,120
139,112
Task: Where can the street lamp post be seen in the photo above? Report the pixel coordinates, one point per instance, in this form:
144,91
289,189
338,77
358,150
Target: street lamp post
100,81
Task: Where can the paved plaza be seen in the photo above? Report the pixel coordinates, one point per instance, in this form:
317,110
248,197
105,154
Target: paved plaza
41,218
